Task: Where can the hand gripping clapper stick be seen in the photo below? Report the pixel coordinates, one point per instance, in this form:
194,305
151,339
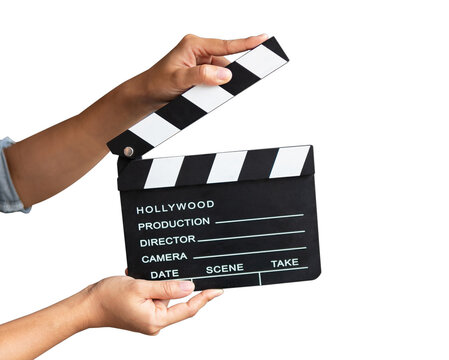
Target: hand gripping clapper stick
222,220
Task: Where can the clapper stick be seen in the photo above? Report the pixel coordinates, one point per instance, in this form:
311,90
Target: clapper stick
198,101
222,220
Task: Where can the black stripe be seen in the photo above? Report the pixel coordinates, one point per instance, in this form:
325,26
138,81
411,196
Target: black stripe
134,175
195,170
258,164
128,138
181,112
241,79
122,163
309,167
274,46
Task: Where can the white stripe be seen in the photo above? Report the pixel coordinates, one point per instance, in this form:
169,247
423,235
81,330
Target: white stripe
261,61
289,161
249,253
154,129
257,219
249,273
164,172
207,97
254,236
226,167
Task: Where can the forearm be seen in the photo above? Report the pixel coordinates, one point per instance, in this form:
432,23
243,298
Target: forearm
48,162
32,335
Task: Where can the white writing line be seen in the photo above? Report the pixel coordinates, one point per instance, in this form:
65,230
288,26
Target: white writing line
255,235
249,252
248,273
256,219
260,280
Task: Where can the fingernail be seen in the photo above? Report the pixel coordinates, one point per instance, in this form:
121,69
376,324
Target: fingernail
218,292
224,74
186,285
265,36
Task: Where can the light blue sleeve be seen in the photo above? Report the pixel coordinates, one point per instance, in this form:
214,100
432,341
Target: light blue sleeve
9,200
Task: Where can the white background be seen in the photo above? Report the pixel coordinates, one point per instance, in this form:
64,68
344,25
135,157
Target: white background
367,85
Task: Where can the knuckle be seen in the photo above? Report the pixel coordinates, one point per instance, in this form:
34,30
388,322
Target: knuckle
155,326
203,72
135,287
153,330
227,44
191,311
178,79
167,288
188,38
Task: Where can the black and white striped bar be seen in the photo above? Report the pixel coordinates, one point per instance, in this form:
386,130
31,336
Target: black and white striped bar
199,100
229,219
217,168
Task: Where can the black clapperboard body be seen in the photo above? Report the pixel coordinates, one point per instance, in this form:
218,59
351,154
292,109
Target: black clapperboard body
222,220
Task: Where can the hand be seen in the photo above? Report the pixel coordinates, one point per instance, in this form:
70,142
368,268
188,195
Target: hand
193,61
141,305
120,302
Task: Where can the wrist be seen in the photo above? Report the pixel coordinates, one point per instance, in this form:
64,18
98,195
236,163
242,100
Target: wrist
80,309
114,113
91,308
140,92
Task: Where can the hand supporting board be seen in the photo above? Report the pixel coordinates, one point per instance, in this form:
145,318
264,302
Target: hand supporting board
222,220
198,101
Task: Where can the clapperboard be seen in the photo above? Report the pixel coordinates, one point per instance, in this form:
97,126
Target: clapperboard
229,219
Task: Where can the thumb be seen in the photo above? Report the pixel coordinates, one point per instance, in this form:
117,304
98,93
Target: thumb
205,75
172,289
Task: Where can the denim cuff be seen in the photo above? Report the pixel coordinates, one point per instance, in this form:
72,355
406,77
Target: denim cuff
9,199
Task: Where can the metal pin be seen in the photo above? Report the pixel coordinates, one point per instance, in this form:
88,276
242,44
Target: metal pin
128,151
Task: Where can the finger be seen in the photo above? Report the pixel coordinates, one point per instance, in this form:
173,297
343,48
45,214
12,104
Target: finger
213,60
225,47
204,75
172,289
165,302
186,310
126,271
162,303
220,61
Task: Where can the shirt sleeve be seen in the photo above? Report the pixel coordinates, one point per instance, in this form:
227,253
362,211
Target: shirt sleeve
9,199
